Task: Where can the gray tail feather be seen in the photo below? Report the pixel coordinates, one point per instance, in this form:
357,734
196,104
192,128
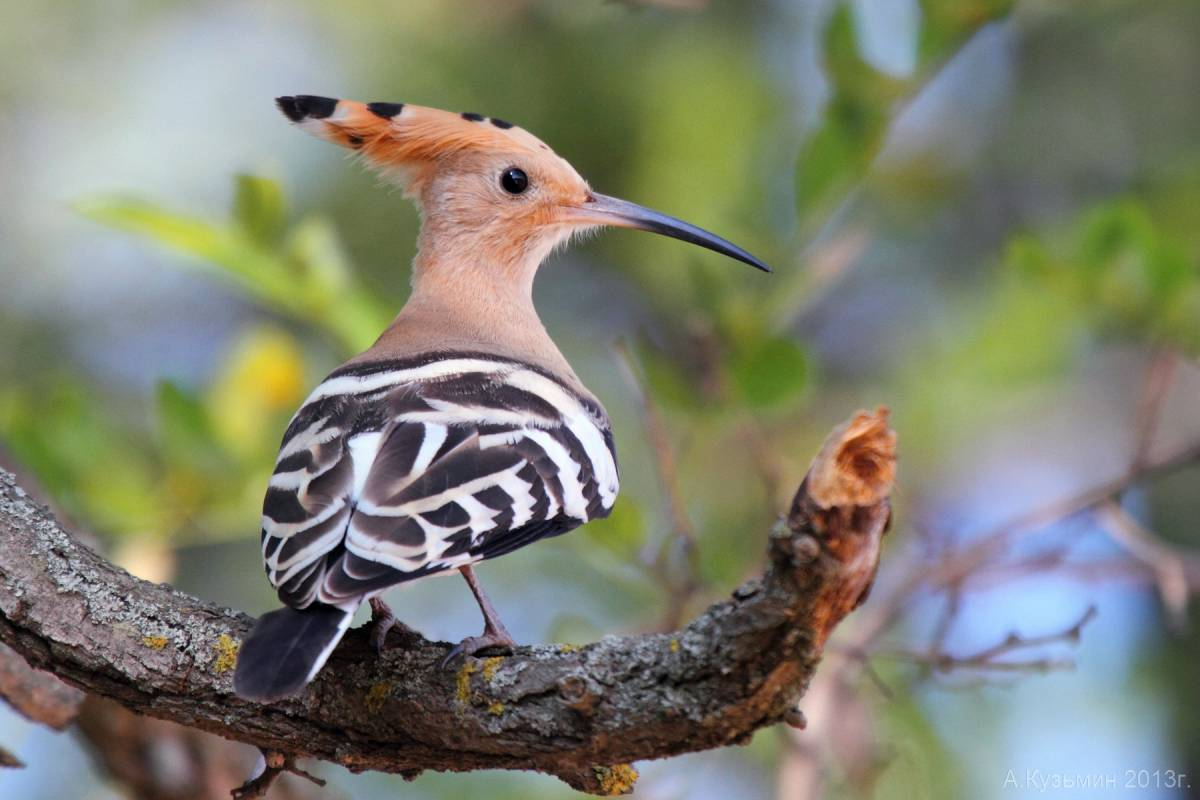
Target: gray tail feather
286,649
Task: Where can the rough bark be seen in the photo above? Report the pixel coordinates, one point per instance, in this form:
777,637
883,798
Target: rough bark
580,713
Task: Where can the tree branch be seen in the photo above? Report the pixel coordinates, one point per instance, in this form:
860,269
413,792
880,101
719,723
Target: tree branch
36,695
577,713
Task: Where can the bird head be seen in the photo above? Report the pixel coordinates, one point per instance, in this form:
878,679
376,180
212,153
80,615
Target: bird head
488,190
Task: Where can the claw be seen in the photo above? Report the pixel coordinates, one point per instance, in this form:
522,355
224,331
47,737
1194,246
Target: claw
490,640
382,622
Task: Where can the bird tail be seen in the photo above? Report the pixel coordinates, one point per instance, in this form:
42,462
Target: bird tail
286,649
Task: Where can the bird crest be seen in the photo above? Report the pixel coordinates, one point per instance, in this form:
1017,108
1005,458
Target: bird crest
403,139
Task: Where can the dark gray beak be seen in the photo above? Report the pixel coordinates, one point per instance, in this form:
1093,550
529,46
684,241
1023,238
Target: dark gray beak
604,210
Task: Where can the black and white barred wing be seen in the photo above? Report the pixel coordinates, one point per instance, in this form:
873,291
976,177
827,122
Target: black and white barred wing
381,482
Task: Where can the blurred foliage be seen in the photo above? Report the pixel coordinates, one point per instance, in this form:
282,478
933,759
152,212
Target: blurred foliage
193,474
196,474
865,99
299,271
670,109
1130,276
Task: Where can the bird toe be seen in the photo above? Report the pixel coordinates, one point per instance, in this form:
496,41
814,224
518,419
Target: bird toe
498,644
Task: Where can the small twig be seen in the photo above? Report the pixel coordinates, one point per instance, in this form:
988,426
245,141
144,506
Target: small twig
683,533
1120,568
949,614
826,263
1159,376
992,658
674,5
767,462
272,765
1168,564
957,566
9,761
877,679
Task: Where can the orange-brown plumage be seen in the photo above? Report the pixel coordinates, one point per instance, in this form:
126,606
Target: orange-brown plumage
417,140
480,245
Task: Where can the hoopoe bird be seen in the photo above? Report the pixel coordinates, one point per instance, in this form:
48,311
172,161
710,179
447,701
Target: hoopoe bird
461,434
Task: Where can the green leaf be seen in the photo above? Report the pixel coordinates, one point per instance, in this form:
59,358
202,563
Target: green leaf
316,250
258,271
853,126
1119,265
181,232
303,274
259,209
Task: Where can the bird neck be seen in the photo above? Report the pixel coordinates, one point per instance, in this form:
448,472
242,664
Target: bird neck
471,304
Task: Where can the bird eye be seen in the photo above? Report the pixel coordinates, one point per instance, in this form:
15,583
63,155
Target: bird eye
514,180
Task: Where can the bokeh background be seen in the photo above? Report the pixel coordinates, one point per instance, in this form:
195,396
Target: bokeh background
984,214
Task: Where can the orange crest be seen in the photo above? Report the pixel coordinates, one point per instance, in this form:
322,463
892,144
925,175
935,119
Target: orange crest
404,137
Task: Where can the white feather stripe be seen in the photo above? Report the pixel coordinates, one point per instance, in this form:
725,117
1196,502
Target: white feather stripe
451,367
316,127
580,422
447,413
535,383
305,555
285,530
437,537
363,449
435,437
503,439
482,517
574,503
604,468
441,565
342,626
349,607
289,480
406,558
433,502
299,479
522,499
553,508
312,435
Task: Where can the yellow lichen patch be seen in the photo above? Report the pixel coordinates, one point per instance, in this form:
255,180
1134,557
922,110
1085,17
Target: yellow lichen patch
496,708
463,682
567,648
489,667
227,652
617,779
154,642
674,645
377,695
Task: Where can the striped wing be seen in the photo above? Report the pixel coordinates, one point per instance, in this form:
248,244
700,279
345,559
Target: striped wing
395,470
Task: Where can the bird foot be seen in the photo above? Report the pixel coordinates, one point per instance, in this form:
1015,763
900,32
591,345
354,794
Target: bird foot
382,623
490,640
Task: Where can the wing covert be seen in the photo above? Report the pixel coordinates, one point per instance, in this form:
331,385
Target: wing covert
387,479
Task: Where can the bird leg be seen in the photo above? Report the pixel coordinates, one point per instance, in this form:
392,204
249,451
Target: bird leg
495,635
382,622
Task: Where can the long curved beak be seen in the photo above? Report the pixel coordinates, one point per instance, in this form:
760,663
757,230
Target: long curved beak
601,209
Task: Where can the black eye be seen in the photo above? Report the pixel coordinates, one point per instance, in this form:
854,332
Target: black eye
514,180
